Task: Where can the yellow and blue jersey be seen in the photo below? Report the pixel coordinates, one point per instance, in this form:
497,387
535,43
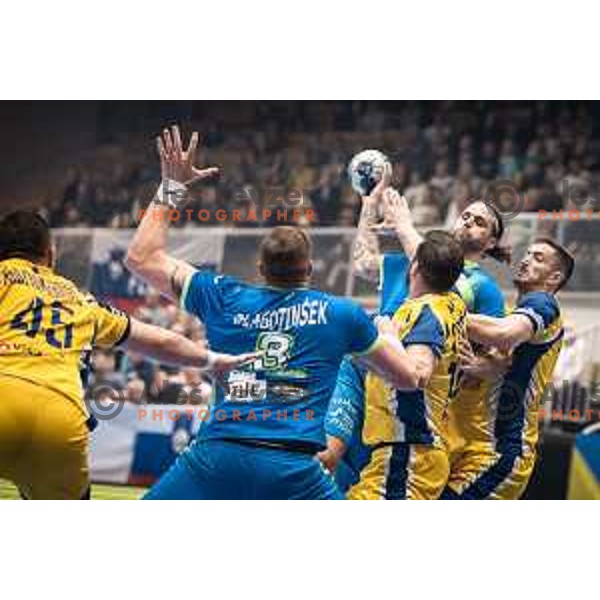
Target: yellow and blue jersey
516,399
303,335
346,412
470,414
419,416
47,325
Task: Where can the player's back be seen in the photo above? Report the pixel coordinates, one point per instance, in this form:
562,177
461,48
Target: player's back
47,325
303,334
419,416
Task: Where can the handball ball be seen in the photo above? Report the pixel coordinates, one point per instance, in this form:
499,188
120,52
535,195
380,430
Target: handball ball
366,170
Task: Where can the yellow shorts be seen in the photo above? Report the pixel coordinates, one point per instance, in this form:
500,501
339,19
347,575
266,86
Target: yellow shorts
43,441
480,473
403,471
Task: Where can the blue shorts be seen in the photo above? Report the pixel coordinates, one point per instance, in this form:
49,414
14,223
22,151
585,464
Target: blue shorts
344,420
227,470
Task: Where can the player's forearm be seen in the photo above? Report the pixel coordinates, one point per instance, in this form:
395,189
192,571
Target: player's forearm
488,367
166,346
149,245
491,331
390,360
409,237
366,252
147,254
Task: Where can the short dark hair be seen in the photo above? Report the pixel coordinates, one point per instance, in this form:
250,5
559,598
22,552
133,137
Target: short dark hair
285,254
565,259
24,234
440,260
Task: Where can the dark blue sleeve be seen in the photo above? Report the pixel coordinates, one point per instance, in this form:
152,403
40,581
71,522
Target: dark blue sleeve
541,308
359,328
394,282
489,299
201,294
427,331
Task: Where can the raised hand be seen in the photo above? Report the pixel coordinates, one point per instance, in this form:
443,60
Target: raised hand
178,164
396,211
384,182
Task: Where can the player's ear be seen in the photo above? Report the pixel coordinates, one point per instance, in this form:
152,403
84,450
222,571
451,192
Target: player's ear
309,269
555,278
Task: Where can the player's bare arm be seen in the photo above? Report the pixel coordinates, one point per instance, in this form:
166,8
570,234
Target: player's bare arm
366,256
405,369
504,333
175,349
366,252
147,255
398,218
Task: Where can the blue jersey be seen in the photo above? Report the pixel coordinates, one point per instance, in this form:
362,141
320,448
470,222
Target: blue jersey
480,291
346,414
303,335
393,282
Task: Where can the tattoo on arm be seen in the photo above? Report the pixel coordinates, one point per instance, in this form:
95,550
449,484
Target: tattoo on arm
366,251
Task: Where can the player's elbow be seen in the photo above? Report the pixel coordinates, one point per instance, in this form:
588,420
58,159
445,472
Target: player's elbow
137,261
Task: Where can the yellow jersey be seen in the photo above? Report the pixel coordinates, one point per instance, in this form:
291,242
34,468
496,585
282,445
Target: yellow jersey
419,416
48,326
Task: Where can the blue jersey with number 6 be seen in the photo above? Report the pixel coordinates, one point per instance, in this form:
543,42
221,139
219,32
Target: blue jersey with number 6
303,335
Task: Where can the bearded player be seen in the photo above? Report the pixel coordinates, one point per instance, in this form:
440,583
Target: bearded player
479,229
259,445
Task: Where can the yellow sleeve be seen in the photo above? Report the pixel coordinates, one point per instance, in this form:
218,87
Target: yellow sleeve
112,325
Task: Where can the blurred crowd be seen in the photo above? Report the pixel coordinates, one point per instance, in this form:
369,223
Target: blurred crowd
443,154
141,380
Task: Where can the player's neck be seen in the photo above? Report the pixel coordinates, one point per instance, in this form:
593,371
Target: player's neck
283,284
419,289
474,256
523,288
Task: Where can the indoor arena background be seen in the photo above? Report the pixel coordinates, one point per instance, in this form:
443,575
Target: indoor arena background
91,166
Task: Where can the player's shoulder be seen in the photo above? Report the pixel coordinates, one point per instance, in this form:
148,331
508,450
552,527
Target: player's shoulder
340,307
20,271
539,299
213,277
208,280
541,307
449,305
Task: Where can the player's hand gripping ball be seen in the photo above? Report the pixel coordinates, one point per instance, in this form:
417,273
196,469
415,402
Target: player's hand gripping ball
366,170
